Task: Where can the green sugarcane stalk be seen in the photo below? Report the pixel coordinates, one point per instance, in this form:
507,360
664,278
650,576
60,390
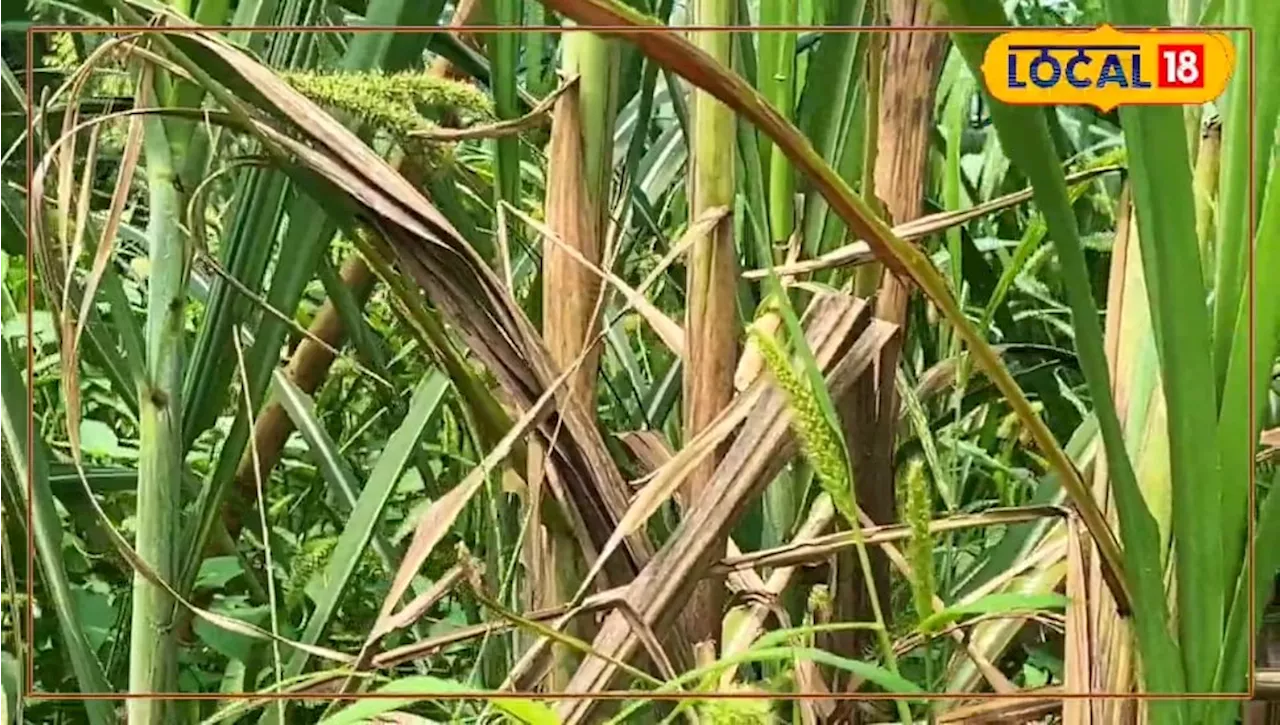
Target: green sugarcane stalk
711,314
153,650
777,82
778,85
595,60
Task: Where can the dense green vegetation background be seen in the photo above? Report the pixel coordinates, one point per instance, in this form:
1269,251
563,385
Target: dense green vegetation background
302,302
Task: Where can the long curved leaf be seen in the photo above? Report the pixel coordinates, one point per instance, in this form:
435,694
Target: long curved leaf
1024,134
904,259
31,474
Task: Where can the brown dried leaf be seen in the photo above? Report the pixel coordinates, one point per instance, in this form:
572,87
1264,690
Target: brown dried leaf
905,260
570,288
1075,665
652,453
668,479
860,252
668,330
1036,704
759,450
583,476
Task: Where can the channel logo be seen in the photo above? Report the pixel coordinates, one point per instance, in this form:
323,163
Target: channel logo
1106,67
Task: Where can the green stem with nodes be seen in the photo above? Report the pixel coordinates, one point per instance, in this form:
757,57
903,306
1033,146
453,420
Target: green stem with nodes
711,311
153,652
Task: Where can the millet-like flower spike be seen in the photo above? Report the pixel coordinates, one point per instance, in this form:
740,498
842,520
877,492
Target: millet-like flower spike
819,442
400,104
918,513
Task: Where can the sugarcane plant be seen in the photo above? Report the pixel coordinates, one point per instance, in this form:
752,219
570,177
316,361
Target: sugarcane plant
769,361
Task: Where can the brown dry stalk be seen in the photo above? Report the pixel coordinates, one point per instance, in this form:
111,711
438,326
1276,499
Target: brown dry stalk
871,412
570,288
1267,684
1014,710
307,368
570,293
1076,655
1111,655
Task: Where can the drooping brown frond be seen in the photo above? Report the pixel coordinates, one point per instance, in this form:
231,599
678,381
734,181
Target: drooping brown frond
428,249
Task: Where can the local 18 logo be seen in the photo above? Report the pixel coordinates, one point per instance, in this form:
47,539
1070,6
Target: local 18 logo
1106,67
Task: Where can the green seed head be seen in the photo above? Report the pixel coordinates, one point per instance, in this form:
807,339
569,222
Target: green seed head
821,444
918,513
819,599
399,104
62,53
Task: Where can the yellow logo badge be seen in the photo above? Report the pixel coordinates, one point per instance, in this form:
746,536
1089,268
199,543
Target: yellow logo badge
1105,67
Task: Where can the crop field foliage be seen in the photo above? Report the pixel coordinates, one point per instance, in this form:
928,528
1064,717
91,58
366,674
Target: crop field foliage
440,366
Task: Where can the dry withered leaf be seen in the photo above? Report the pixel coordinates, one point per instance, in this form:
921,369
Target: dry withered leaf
582,474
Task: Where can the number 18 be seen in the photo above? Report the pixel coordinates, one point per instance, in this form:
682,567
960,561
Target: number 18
1183,66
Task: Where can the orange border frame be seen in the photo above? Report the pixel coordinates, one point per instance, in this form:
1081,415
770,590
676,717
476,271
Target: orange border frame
624,31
